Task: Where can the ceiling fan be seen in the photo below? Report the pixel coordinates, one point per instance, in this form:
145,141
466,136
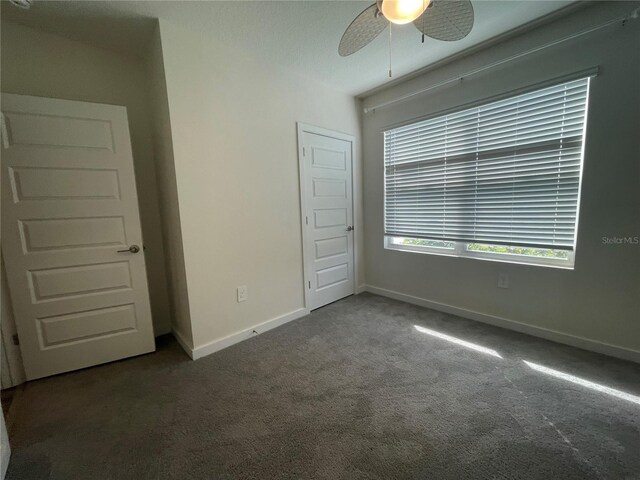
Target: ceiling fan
447,20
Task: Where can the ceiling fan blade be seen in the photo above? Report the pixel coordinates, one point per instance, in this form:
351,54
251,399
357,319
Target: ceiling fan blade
364,28
447,20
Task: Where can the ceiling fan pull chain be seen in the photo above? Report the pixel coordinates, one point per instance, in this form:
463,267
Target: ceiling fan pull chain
424,11
390,74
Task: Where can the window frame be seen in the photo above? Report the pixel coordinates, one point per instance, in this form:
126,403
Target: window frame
460,249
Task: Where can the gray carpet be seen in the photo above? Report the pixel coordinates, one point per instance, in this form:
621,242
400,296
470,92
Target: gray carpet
353,391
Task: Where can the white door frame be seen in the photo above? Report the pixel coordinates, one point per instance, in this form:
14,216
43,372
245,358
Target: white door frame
12,368
355,199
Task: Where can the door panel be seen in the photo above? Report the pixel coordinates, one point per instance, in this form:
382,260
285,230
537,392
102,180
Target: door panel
61,329
69,204
326,187
330,247
329,217
334,275
63,184
57,130
56,283
71,233
327,181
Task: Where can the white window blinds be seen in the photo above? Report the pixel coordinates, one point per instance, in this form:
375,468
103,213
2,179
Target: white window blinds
507,172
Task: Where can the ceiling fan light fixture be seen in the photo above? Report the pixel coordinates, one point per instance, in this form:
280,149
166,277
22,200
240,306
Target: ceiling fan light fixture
24,4
402,12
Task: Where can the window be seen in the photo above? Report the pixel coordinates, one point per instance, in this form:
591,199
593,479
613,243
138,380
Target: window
498,181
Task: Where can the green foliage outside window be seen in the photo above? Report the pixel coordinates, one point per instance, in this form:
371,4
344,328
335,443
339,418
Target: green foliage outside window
532,252
427,243
479,247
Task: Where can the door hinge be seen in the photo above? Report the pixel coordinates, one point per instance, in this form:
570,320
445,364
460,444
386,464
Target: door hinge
306,219
309,284
16,339
304,152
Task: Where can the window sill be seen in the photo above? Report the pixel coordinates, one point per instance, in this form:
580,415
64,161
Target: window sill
458,252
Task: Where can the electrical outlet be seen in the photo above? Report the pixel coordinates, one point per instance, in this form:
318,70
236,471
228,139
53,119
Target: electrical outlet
243,293
503,280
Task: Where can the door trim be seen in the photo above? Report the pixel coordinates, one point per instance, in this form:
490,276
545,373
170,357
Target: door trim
356,204
11,356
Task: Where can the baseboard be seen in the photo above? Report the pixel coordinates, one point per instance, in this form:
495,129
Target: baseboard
221,343
186,346
553,335
360,289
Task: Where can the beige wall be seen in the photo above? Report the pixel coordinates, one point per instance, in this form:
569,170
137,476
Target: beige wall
233,121
41,64
600,299
163,148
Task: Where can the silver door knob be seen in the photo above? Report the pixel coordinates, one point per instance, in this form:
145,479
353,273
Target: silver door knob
349,228
131,249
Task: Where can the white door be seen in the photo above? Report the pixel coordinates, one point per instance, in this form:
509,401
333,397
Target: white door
71,235
5,449
327,192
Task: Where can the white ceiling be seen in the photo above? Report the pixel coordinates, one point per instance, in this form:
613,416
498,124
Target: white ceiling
299,35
